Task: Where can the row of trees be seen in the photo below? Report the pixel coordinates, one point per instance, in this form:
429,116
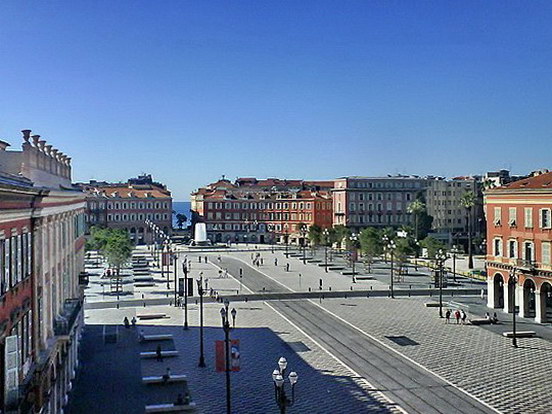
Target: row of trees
114,244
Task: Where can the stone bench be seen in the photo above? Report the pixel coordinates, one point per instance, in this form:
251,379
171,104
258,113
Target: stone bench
520,334
432,304
481,321
157,337
158,379
364,277
153,354
152,316
336,267
169,408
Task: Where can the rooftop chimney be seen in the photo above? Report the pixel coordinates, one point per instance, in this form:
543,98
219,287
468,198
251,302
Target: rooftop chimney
35,138
26,134
3,145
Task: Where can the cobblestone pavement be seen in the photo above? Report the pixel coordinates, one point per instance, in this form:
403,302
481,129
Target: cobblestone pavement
477,360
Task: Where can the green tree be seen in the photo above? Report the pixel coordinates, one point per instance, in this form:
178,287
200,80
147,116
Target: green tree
315,235
371,245
340,233
432,245
117,249
468,202
181,219
98,238
416,208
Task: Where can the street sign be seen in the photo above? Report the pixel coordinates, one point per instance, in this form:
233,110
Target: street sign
220,362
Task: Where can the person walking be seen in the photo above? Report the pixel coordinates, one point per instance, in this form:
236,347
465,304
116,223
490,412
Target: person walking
457,316
464,316
167,375
287,267
275,261
126,322
159,355
447,316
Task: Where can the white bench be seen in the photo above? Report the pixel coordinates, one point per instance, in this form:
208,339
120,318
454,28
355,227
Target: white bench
481,321
158,337
153,354
152,316
158,379
169,408
520,334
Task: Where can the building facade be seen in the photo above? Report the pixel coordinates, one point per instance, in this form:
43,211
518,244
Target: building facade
519,243
42,254
262,211
360,202
128,205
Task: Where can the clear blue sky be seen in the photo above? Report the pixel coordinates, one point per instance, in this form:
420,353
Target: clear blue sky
188,91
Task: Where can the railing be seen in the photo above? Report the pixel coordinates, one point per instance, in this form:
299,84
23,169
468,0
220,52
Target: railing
526,264
64,322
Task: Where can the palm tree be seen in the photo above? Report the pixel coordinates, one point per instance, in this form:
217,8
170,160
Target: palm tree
416,207
180,220
468,202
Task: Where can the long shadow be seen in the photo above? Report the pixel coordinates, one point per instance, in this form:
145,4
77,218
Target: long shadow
110,379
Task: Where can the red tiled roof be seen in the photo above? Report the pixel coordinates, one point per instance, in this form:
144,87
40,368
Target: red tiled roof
537,182
126,192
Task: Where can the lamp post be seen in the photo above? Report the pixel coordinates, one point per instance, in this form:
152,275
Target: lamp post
168,252
512,281
326,235
286,239
185,271
225,315
454,251
303,231
391,246
200,292
278,376
353,238
440,258
385,241
175,270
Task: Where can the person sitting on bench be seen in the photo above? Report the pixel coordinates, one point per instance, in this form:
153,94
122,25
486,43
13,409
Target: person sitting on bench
167,375
494,319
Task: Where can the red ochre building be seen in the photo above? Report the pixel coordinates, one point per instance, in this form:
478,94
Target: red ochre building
128,205
262,211
41,259
519,237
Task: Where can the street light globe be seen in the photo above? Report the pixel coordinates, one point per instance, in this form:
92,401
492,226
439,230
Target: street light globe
293,377
282,363
275,373
226,302
279,380
223,313
234,312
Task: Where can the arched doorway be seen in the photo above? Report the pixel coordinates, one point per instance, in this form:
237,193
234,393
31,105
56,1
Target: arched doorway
546,301
529,302
498,287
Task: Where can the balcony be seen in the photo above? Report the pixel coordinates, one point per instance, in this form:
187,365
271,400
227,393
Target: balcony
63,323
524,264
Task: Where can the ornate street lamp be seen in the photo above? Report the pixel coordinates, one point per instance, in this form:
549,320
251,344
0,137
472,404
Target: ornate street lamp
391,246
200,292
225,315
440,258
512,282
353,238
278,376
326,235
185,271
454,251
303,231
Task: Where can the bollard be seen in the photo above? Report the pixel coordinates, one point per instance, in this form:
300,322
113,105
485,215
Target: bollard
351,288
309,289
117,306
330,288
371,287
246,298
144,304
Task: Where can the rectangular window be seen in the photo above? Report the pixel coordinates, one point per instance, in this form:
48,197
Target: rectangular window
497,216
512,212
497,247
545,218
512,249
528,217
546,253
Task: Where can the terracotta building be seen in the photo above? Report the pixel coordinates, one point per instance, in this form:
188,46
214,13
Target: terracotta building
262,211
41,258
128,205
519,240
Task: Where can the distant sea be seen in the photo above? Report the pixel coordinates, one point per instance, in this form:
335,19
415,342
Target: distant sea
182,207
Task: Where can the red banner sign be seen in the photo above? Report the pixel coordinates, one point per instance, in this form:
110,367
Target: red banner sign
220,363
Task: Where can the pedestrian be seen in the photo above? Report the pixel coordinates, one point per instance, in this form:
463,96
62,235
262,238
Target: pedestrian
262,261
287,267
134,321
275,261
199,258
205,259
447,316
126,322
220,274
159,354
141,335
241,271
167,375
252,256
464,316
457,316
495,319
218,258
225,273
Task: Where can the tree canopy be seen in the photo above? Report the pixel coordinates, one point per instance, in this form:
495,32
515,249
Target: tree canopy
114,244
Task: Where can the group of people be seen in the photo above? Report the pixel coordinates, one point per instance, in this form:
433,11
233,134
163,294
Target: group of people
459,315
126,322
257,259
493,319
